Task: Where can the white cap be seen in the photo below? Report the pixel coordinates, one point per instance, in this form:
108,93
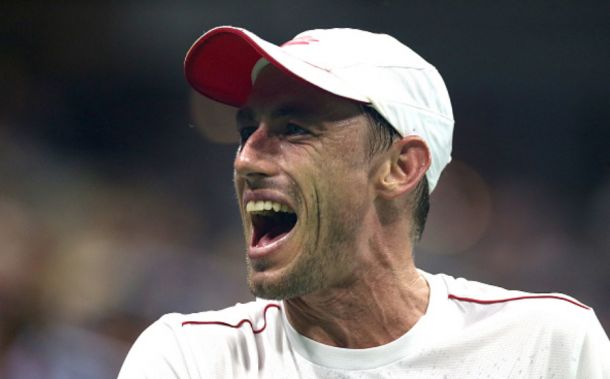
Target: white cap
373,69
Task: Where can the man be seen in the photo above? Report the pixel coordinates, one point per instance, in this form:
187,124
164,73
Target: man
343,135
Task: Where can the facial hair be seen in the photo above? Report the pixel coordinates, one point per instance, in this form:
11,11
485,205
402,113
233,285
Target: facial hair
319,255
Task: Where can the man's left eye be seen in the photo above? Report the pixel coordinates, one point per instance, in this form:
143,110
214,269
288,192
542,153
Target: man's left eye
293,129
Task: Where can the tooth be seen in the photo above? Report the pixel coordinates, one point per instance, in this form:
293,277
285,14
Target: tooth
262,205
259,206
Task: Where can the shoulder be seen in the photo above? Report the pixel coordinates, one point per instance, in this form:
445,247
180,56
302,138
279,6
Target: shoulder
550,327
518,311
524,315
476,293
157,353
176,342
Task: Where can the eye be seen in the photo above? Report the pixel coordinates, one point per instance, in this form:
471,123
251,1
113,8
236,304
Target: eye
245,133
292,129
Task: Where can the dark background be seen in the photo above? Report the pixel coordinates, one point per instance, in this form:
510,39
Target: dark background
115,208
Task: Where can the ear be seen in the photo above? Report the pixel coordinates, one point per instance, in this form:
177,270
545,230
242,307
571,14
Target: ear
405,165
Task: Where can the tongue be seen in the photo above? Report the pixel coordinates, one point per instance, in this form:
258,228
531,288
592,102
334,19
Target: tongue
274,235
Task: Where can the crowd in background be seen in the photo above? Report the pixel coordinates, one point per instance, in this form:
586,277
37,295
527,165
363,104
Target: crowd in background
115,209
86,265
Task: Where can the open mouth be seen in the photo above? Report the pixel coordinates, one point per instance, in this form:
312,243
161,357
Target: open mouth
271,221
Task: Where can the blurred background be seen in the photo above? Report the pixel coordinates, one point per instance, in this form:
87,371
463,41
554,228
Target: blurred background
116,195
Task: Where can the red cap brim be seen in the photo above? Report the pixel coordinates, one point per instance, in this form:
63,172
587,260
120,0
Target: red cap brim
219,65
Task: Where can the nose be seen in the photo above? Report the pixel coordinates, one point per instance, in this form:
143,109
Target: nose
255,159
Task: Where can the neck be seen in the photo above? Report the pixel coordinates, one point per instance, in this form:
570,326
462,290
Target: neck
384,303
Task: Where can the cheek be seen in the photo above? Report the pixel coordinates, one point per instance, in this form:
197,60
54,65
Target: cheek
349,149
345,172
344,193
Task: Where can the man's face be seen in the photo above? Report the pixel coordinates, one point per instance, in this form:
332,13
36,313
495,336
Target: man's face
305,153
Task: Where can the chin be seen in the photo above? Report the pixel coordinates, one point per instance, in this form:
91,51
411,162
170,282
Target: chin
289,284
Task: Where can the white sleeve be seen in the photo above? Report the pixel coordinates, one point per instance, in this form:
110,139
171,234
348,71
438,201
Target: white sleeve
156,354
594,359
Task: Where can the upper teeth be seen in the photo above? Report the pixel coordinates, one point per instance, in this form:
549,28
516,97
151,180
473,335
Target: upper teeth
260,205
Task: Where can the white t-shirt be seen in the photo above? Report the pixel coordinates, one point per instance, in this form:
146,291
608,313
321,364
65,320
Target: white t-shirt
470,330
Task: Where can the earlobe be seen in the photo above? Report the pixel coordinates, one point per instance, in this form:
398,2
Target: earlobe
405,165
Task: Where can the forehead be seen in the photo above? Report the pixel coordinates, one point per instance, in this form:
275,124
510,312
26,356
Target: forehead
277,93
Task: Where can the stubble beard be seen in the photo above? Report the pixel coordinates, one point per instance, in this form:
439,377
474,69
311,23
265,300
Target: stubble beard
308,275
322,259
311,272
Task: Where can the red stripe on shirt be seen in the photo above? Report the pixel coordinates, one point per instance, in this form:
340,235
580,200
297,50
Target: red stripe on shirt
516,298
239,323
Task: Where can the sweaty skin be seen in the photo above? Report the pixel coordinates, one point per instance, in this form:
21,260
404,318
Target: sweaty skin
347,262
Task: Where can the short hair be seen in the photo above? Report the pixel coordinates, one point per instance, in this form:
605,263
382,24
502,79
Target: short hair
382,138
